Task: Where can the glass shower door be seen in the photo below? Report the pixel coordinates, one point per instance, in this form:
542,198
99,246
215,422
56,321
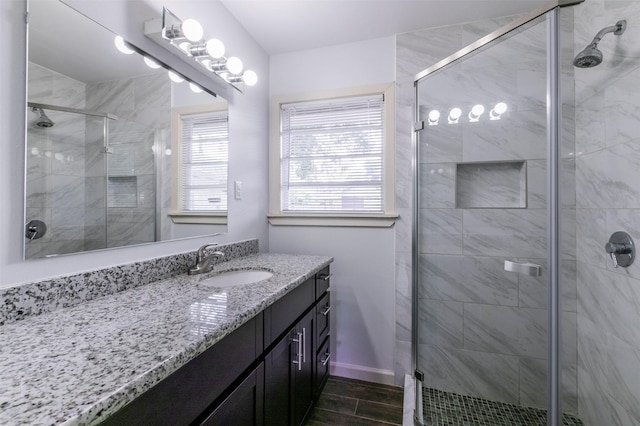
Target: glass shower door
482,228
65,181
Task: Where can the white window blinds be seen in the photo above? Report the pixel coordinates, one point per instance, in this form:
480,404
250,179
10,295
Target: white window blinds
332,155
205,156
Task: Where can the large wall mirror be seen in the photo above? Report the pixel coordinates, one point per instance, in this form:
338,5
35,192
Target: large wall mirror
117,153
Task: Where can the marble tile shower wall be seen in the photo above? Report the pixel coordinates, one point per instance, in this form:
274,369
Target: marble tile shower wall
55,164
39,297
143,107
608,200
482,331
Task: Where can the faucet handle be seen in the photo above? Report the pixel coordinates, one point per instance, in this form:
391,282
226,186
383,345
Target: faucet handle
203,248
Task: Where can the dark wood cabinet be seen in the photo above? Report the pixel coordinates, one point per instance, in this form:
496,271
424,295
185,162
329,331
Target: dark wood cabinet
303,368
269,371
244,406
322,346
278,404
289,380
182,397
292,379
323,356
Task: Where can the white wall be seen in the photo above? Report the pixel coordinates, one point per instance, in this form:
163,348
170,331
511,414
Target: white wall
363,288
248,126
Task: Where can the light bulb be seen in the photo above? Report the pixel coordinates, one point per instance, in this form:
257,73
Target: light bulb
434,116
195,88
234,65
497,111
176,78
454,115
151,63
121,45
500,108
192,30
250,78
215,48
476,112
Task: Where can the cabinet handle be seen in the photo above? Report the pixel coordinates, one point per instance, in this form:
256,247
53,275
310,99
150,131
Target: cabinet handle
325,276
299,351
304,344
326,360
327,308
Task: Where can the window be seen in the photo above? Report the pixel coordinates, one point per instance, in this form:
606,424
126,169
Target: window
334,157
201,156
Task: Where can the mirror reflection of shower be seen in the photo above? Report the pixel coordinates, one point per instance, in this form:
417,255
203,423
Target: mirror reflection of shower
591,56
42,121
67,178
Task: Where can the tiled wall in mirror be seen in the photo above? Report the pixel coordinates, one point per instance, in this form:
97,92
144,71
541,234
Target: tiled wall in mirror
104,168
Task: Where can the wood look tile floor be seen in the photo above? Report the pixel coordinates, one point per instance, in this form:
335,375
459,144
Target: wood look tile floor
347,402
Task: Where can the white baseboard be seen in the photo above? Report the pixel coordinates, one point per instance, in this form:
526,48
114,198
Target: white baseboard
376,375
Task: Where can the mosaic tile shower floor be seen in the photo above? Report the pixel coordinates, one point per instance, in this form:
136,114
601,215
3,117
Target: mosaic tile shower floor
450,409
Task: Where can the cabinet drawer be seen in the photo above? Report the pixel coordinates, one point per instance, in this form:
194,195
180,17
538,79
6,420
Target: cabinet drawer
323,317
323,360
323,280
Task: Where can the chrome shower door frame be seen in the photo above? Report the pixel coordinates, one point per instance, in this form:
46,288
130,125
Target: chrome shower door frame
554,417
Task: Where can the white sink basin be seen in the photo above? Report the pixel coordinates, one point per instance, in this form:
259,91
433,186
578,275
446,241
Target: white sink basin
233,278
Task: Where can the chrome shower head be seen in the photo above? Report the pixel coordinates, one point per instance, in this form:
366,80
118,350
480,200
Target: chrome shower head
591,55
43,121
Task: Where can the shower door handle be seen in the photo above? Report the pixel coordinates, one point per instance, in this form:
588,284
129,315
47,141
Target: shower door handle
531,269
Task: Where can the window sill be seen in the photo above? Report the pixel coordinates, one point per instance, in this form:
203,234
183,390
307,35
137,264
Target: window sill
367,221
199,218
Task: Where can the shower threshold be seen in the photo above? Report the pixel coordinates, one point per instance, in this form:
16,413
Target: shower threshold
451,409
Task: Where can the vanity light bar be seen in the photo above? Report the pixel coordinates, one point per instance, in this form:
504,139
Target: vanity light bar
474,115
153,63
187,37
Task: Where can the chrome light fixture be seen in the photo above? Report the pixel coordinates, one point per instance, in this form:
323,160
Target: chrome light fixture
187,38
128,49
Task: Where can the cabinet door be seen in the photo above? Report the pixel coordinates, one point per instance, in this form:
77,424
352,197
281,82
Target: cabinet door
244,406
278,379
303,371
289,375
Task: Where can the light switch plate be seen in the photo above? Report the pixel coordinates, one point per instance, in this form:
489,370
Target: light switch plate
237,189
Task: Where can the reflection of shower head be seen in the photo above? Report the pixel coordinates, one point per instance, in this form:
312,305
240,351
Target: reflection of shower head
591,55
43,121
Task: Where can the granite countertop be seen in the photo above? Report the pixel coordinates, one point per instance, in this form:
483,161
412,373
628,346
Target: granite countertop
78,365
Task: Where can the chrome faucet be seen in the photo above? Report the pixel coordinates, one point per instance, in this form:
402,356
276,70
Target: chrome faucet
204,263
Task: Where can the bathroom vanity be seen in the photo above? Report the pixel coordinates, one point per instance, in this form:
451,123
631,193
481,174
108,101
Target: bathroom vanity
178,351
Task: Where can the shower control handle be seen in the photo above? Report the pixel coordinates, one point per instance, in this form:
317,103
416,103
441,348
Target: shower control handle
35,229
621,249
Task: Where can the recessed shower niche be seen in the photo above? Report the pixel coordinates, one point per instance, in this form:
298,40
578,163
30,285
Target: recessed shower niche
501,184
